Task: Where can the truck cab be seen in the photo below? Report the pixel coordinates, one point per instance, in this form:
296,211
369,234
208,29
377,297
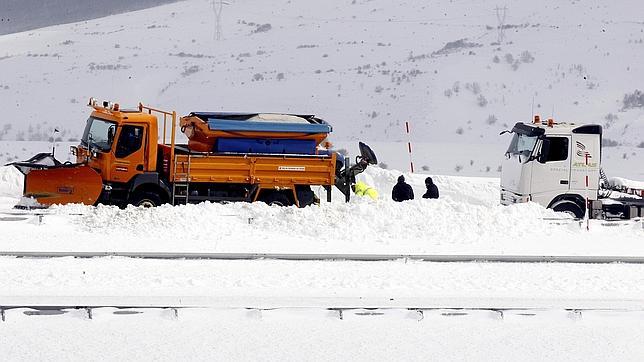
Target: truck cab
554,164
119,144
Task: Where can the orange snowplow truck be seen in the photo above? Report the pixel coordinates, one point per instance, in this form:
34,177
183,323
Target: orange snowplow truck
130,157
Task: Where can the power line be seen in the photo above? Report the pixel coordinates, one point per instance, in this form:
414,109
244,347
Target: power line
500,17
217,7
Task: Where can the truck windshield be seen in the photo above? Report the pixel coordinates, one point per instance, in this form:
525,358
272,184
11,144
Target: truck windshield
522,145
100,133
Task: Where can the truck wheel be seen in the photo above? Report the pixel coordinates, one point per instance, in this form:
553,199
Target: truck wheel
306,196
276,198
146,199
569,207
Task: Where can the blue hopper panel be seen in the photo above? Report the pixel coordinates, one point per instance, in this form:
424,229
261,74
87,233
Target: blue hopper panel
254,145
216,124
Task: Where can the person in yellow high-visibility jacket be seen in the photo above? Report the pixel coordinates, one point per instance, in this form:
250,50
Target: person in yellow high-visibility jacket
362,189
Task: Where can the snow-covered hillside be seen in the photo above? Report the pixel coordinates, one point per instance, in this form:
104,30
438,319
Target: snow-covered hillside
365,66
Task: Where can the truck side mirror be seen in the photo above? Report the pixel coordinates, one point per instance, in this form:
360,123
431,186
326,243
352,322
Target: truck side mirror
545,151
110,134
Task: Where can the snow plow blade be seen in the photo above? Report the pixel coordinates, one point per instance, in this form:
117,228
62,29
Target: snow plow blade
345,176
60,183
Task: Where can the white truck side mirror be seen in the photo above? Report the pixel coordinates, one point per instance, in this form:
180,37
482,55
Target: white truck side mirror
545,151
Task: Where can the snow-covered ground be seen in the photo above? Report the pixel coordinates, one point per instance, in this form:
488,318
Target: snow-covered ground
467,219
319,335
117,281
288,316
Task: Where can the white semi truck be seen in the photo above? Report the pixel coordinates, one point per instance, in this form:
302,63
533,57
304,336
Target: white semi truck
558,165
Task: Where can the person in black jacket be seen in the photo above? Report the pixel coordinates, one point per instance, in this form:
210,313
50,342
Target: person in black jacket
432,190
402,191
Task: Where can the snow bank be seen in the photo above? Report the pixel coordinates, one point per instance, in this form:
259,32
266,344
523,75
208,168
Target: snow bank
11,181
623,183
469,205
466,219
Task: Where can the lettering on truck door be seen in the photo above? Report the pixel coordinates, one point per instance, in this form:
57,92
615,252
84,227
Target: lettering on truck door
585,146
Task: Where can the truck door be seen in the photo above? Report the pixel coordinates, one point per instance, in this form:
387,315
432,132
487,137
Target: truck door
552,178
129,154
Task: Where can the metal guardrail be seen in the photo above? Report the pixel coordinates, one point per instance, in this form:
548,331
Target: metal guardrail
437,258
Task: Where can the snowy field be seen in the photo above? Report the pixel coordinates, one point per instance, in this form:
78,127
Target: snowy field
278,309
319,334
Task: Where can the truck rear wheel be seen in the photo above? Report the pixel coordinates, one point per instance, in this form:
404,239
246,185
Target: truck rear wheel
146,199
569,207
276,198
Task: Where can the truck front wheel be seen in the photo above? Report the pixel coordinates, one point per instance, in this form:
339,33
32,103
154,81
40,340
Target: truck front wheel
569,207
145,199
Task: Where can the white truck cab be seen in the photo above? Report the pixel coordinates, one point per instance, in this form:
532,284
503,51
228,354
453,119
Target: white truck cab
554,164
558,165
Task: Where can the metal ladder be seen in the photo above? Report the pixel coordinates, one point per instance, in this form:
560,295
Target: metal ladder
183,184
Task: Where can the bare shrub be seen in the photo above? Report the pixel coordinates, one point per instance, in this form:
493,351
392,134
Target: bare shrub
473,87
526,57
454,46
94,66
456,87
190,70
633,100
481,100
262,28
607,142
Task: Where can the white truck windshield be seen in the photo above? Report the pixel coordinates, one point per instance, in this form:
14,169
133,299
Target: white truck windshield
522,145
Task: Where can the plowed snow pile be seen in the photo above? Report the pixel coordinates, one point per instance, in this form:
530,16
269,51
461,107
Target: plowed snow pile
466,219
10,182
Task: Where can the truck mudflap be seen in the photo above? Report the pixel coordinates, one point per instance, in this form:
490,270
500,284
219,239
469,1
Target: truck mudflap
51,182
